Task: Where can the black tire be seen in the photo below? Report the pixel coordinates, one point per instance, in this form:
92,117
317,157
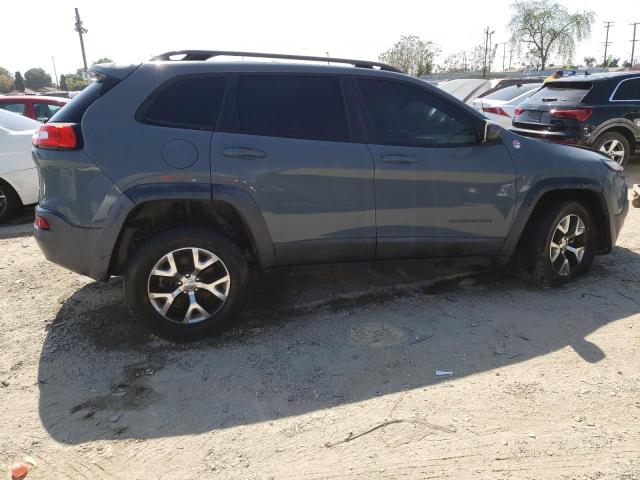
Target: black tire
536,254
608,138
9,201
137,281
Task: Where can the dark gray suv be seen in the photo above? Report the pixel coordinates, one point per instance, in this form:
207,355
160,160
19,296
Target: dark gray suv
183,174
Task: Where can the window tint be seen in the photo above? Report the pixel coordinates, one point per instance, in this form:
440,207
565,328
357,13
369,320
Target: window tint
404,115
187,102
514,91
13,107
572,92
628,90
309,107
44,111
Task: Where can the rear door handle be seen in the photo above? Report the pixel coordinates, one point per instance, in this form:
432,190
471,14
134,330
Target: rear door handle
398,159
244,153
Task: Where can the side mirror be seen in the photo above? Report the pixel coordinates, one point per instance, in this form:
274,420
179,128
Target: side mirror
492,132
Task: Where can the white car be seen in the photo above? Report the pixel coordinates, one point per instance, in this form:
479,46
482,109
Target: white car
18,173
500,105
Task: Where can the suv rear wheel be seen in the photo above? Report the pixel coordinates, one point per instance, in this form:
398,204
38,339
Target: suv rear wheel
615,145
562,244
186,283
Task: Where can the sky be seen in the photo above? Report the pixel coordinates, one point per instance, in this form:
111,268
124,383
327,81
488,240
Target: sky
134,30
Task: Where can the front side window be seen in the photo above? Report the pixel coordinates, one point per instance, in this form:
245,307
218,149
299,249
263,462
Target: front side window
190,102
402,114
13,107
291,106
628,90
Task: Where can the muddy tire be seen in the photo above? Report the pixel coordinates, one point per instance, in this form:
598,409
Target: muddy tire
561,244
186,283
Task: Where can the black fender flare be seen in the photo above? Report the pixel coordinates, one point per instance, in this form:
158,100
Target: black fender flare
533,197
624,123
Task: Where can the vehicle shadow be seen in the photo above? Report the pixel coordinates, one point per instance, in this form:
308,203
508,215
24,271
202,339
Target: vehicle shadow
305,344
20,225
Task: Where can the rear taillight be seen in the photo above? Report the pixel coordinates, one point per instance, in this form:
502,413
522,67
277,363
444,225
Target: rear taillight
59,136
518,111
496,111
579,114
42,223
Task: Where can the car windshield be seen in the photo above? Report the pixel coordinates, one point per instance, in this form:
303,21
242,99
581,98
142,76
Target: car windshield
514,91
16,123
572,92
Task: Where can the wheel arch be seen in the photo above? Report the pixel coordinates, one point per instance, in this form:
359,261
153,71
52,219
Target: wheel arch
229,214
625,128
593,202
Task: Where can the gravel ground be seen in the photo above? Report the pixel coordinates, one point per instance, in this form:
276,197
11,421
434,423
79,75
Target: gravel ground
330,375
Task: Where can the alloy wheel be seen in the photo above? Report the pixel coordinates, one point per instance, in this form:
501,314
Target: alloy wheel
188,285
568,245
614,149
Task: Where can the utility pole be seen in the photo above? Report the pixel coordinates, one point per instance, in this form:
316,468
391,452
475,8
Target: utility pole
487,46
633,42
504,54
53,60
607,25
81,31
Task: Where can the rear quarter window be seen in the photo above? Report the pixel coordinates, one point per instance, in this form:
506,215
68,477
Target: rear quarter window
628,90
190,102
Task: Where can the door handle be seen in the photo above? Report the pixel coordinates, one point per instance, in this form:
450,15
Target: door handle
244,153
398,159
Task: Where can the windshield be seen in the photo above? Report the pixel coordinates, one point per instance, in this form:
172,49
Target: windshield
16,123
572,92
514,91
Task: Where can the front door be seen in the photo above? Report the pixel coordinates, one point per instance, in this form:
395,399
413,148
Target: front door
285,140
439,190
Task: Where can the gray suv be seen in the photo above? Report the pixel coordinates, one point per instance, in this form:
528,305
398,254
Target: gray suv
183,175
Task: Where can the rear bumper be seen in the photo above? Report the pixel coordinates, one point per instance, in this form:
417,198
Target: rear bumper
567,137
70,246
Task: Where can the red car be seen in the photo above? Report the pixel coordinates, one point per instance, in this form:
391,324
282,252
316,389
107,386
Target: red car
38,107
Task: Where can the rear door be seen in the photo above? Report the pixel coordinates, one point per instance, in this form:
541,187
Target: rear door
439,191
287,141
627,94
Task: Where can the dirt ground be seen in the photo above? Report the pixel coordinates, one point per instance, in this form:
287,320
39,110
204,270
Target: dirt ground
329,375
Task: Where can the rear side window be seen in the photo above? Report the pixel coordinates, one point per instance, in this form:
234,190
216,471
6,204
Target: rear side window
13,107
570,92
628,90
509,93
185,102
401,114
291,106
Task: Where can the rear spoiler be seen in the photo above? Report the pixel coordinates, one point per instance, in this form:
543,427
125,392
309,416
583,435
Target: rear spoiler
114,70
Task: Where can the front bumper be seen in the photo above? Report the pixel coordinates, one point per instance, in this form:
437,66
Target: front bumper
70,246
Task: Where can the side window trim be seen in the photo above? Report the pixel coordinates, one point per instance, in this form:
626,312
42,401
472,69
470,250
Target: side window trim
144,106
371,137
615,90
228,118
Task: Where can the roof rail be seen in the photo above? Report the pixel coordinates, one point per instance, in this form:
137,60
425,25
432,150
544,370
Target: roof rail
194,55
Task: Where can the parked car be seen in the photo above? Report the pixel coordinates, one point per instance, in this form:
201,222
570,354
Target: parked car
18,174
465,89
499,84
500,105
183,175
599,111
37,107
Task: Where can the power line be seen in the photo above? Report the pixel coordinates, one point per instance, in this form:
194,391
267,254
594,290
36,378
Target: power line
606,42
81,31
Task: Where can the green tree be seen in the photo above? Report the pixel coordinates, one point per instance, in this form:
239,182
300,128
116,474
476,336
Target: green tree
36,78
75,81
63,83
103,60
411,55
547,28
611,62
19,82
589,61
6,81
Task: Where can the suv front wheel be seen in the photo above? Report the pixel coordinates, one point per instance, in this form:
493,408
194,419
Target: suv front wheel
615,145
186,283
561,245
